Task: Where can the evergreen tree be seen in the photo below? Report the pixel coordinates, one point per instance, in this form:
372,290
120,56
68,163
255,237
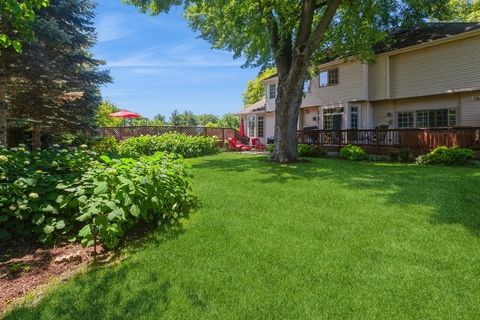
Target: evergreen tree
56,80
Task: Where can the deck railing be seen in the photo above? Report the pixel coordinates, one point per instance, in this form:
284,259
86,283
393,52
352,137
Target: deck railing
121,133
425,139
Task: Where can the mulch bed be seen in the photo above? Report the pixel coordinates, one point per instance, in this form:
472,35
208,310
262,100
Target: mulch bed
26,265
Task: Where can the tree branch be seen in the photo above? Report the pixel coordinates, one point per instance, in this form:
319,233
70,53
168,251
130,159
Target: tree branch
322,26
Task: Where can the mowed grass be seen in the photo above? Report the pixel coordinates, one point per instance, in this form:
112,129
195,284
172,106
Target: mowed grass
327,239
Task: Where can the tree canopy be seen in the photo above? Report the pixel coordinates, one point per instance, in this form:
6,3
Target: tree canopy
16,21
464,10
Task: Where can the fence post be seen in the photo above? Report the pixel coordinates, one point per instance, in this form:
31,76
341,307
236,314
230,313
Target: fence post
340,138
377,139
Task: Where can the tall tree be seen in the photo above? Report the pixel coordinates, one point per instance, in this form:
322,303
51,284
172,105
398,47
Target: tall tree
16,19
56,79
255,90
464,10
207,118
292,34
175,119
101,115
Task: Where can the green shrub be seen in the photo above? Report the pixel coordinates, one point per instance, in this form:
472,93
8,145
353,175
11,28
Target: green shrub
318,152
402,155
187,146
270,147
29,200
64,195
350,152
115,195
106,145
374,157
303,150
449,156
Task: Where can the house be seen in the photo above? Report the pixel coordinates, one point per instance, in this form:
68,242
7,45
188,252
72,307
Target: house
429,77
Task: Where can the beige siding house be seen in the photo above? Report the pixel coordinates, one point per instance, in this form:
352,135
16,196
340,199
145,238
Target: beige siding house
428,77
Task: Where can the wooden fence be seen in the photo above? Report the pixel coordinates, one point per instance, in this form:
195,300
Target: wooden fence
415,139
121,133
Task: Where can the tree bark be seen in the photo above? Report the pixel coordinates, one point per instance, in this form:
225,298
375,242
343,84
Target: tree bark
3,105
292,67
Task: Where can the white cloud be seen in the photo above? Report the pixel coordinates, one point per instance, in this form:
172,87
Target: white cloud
182,54
113,27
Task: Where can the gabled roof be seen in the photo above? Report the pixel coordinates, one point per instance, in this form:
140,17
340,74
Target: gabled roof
257,107
423,33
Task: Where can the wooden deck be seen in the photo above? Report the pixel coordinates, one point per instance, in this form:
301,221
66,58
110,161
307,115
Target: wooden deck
383,141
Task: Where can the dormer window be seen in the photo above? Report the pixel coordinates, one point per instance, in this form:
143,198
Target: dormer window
328,78
272,89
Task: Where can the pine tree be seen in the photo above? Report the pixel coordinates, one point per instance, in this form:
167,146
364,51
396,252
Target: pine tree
55,82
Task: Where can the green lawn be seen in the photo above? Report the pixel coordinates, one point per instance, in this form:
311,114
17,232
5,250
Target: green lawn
325,239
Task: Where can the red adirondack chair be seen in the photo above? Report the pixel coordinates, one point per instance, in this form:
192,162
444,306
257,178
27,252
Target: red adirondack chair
235,145
258,145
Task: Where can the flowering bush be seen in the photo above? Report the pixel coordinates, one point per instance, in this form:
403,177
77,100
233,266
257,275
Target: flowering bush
187,146
60,194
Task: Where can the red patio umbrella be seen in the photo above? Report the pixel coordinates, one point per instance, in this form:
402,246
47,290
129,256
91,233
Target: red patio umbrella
242,127
124,114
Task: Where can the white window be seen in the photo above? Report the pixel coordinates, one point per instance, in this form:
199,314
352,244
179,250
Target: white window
405,120
328,122
251,126
354,117
272,89
436,118
328,78
260,127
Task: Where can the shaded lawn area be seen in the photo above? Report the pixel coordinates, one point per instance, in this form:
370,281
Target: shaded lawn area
324,239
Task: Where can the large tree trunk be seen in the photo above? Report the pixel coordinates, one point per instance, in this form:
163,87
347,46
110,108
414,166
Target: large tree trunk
292,58
3,106
287,110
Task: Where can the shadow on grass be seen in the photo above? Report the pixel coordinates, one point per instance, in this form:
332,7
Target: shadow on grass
451,191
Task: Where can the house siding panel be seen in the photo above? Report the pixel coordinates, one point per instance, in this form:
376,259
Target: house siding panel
349,88
377,79
470,109
448,67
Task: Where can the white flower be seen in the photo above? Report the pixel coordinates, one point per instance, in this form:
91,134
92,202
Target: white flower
33,195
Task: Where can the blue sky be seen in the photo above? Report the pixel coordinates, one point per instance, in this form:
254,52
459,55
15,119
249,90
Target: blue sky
158,64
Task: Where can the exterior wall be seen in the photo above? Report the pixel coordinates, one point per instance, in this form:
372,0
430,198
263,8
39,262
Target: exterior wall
377,78
444,68
269,125
467,105
470,109
270,102
350,86
383,113
307,117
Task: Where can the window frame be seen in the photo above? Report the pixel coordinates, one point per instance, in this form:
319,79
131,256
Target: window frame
355,110
251,126
272,91
330,78
260,126
411,121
